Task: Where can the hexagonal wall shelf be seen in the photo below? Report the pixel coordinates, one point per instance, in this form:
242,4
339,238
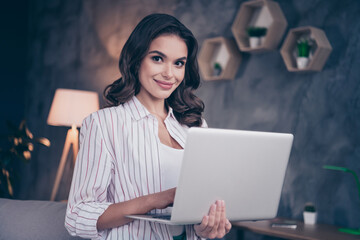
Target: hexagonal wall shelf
219,59
259,13
319,52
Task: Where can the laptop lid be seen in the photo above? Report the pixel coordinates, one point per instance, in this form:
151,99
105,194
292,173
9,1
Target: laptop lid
244,168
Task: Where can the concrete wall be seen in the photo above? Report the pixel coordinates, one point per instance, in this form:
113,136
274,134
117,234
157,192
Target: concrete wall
75,44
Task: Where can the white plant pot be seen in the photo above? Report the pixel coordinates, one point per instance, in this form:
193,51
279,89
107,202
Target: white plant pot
254,42
302,62
310,217
216,72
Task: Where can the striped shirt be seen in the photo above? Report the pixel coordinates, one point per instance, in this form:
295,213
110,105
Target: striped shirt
118,161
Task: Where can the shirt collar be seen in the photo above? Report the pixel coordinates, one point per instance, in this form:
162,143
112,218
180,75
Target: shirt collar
170,113
138,111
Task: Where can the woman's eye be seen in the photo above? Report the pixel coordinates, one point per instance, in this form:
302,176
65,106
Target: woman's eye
156,58
180,63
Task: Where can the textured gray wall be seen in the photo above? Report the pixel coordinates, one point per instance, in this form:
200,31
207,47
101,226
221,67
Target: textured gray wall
75,44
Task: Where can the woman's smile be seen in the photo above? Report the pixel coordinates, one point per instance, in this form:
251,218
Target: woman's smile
164,84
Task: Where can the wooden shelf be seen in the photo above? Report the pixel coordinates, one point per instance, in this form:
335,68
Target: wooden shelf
319,52
219,50
259,13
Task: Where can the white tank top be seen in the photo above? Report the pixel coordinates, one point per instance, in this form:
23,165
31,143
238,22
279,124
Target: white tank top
171,160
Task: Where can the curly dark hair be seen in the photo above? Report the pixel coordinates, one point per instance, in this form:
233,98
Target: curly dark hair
187,107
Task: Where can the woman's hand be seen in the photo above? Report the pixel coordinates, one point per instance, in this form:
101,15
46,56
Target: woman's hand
214,225
163,199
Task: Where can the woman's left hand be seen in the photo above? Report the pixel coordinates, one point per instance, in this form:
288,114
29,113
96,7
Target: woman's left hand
214,225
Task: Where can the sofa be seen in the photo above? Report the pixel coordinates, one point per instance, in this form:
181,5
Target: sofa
37,220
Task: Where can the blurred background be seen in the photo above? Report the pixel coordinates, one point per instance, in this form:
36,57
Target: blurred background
50,44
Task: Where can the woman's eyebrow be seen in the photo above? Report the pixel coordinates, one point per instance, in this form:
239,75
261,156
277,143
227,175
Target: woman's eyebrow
182,58
158,52
164,56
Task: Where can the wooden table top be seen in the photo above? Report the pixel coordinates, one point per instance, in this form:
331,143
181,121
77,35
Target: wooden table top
302,231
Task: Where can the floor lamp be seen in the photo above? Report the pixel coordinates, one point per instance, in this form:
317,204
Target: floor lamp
69,108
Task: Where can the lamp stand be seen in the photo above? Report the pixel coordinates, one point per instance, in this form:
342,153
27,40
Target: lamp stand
72,139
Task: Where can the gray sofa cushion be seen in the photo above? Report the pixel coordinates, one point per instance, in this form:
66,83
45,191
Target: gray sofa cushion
32,220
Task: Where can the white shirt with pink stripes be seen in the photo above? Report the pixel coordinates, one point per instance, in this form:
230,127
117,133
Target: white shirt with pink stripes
118,161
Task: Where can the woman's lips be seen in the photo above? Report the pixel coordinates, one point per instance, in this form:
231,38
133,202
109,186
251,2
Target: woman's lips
165,85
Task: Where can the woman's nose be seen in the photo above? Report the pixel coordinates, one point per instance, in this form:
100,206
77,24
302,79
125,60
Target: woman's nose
167,71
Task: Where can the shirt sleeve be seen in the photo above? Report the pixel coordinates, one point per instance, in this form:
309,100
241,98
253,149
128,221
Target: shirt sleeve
88,193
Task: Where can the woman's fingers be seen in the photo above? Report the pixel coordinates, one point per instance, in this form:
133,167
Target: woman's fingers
221,227
228,226
212,230
215,225
201,227
217,216
211,223
222,215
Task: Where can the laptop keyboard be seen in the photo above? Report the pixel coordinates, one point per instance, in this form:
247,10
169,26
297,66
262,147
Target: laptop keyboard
161,216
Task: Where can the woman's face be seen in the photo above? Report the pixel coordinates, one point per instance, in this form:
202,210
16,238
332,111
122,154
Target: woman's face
163,67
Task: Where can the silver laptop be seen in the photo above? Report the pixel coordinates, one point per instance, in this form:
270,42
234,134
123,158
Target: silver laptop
244,168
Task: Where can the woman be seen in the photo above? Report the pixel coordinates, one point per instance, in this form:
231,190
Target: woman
130,153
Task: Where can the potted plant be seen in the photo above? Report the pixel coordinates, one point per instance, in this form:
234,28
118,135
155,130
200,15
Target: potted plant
217,69
303,46
15,148
310,214
256,35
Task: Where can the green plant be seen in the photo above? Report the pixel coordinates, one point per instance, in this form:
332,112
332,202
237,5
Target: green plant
217,69
309,207
304,47
217,66
253,31
15,148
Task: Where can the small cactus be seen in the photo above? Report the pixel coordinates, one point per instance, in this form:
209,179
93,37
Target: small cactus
309,207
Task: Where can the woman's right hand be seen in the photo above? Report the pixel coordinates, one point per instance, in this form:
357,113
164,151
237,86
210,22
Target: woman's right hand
163,199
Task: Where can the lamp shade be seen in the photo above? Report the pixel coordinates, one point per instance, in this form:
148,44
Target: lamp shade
72,106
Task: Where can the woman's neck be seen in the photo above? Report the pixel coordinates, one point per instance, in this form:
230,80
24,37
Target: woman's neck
154,106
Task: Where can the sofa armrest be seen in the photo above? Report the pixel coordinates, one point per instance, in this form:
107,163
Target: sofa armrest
33,220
